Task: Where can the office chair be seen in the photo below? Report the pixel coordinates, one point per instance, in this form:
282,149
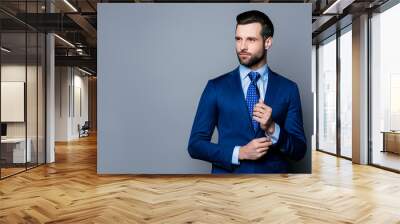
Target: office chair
84,130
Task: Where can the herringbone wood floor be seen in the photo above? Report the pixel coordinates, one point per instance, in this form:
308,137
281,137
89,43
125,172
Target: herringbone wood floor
70,191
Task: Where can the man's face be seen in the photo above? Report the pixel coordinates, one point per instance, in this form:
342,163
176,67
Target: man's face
250,44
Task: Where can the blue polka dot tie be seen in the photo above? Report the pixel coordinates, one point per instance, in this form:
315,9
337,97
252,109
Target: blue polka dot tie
253,96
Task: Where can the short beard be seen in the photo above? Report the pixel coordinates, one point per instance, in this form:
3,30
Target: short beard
253,61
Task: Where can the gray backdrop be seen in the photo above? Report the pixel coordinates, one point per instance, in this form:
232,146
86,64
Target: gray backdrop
154,61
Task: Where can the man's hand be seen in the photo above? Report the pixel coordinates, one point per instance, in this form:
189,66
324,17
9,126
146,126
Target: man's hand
255,149
263,115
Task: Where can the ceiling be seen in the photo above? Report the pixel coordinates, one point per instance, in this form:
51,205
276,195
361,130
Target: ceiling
76,22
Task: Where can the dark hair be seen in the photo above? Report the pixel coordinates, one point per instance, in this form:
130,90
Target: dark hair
255,16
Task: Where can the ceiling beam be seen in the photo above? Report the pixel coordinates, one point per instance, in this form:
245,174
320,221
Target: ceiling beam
86,26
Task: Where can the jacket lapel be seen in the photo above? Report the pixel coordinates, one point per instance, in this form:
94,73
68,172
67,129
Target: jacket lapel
272,86
270,94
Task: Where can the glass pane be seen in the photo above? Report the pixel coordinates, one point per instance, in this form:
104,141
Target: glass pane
13,86
346,93
31,86
31,101
314,91
385,84
41,98
22,88
327,95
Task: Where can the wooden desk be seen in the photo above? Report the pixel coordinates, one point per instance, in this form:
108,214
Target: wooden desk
391,141
13,150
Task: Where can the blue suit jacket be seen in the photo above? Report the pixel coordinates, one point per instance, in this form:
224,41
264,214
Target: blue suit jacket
223,105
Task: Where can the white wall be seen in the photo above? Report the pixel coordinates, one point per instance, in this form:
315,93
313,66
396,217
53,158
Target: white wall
79,117
69,84
14,72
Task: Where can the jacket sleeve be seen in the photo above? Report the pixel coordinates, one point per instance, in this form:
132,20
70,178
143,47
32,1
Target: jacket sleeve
292,141
205,121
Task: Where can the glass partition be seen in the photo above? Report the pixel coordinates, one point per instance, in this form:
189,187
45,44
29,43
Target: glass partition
22,101
14,153
327,95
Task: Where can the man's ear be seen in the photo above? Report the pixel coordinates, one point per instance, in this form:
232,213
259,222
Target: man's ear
268,43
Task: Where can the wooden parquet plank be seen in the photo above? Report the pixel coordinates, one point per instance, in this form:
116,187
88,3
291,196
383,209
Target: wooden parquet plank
70,191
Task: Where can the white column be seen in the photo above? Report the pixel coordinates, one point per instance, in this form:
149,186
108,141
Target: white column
50,91
360,90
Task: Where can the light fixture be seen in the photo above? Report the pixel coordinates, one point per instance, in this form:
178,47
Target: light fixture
70,5
79,51
337,7
84,71
5,50
65,41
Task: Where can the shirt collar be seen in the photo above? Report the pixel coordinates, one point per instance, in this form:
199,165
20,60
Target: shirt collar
263,71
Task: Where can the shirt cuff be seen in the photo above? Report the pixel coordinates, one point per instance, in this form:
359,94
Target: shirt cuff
274,136
235,155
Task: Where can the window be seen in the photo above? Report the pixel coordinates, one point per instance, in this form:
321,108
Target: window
327,95
385,89
346,92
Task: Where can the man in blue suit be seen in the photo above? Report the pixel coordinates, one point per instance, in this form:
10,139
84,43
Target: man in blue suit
257,112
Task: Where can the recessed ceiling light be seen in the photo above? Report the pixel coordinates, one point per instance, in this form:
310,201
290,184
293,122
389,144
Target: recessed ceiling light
70,5
84,71
5,49
337,7
64,40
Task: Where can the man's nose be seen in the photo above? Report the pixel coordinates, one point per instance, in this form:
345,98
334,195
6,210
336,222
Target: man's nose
243,45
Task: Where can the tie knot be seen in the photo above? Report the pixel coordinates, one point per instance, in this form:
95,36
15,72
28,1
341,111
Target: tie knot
254,76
